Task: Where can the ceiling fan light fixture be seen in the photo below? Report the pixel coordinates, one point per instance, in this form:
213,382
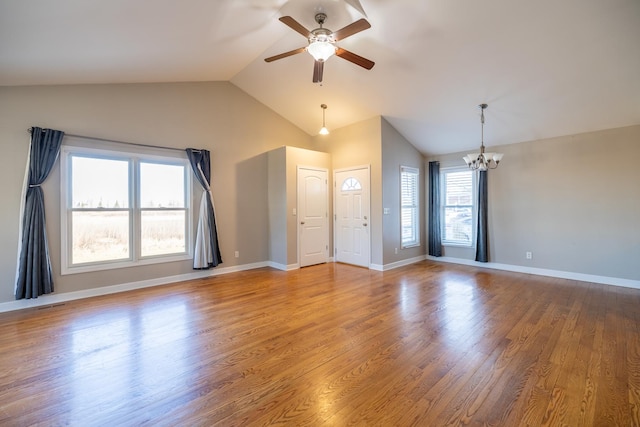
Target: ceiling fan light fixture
321,50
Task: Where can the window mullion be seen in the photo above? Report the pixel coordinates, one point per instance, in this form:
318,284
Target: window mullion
134,210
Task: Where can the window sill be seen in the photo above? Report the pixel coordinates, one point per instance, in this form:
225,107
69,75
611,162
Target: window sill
458,245
412,245
123,264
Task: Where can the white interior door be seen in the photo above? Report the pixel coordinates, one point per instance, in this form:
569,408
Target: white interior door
313,216
352,217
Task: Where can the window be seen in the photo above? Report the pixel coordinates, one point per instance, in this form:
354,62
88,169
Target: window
457,210
351,184
409,206
123,209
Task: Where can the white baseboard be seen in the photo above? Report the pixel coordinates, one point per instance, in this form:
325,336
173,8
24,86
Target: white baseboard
397,264
289,267
605,280
55,299
283,267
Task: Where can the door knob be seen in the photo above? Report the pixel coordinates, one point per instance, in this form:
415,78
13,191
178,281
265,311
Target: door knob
365,224
302,222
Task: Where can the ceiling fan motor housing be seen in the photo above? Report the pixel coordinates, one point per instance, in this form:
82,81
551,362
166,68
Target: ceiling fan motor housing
321,35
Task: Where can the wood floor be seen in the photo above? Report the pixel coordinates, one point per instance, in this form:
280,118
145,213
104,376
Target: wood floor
429,344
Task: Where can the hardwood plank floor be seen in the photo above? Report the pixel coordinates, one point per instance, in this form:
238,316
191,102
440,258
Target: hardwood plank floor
428,344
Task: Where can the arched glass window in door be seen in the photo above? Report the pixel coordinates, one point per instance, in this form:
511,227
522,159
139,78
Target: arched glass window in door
351,184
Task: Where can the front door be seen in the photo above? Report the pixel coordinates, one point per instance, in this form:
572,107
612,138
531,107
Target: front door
313,213
352,219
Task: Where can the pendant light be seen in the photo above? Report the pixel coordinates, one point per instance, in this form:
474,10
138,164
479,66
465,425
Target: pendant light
323,130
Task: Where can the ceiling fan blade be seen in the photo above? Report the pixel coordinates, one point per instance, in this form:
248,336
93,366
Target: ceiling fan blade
356,59
351,29
285,54
318,68
295,25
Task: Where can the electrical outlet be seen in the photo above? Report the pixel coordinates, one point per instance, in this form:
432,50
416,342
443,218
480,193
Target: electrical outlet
396,251
528,255
237,254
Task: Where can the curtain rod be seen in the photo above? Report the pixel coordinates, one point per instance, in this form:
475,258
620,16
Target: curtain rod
122,142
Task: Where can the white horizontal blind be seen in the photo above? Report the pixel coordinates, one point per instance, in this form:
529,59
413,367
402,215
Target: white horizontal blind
409,206
457,207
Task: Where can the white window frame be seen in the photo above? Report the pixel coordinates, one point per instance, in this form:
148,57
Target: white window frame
134,158
474,206
413,206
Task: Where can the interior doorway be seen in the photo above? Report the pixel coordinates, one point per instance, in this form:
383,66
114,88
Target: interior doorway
313,216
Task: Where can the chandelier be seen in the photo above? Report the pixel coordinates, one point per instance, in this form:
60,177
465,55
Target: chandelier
482,161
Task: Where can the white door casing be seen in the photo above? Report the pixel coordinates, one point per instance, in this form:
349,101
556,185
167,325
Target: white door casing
352,216
313,216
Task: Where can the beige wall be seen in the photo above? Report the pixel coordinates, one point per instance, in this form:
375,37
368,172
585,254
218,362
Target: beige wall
573,201
238,130
396,152
277,196
376,143
283,199
359,145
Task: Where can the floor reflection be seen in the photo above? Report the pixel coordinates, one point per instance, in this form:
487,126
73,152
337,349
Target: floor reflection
460,309
164,345
126,352
99,372
409,299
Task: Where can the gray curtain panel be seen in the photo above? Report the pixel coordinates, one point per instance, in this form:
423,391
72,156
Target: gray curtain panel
482,243
435,237
34,275
206,250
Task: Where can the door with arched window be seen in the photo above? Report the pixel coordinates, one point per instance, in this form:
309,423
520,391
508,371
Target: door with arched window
352,216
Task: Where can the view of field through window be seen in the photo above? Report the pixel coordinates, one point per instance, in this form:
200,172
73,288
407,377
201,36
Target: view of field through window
118,202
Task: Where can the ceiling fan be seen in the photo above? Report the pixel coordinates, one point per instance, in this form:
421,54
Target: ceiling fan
322,43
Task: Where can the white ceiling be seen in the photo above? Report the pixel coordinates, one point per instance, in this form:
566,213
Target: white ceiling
545,67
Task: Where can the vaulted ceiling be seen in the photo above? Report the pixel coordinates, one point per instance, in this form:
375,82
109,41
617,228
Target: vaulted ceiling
546,68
